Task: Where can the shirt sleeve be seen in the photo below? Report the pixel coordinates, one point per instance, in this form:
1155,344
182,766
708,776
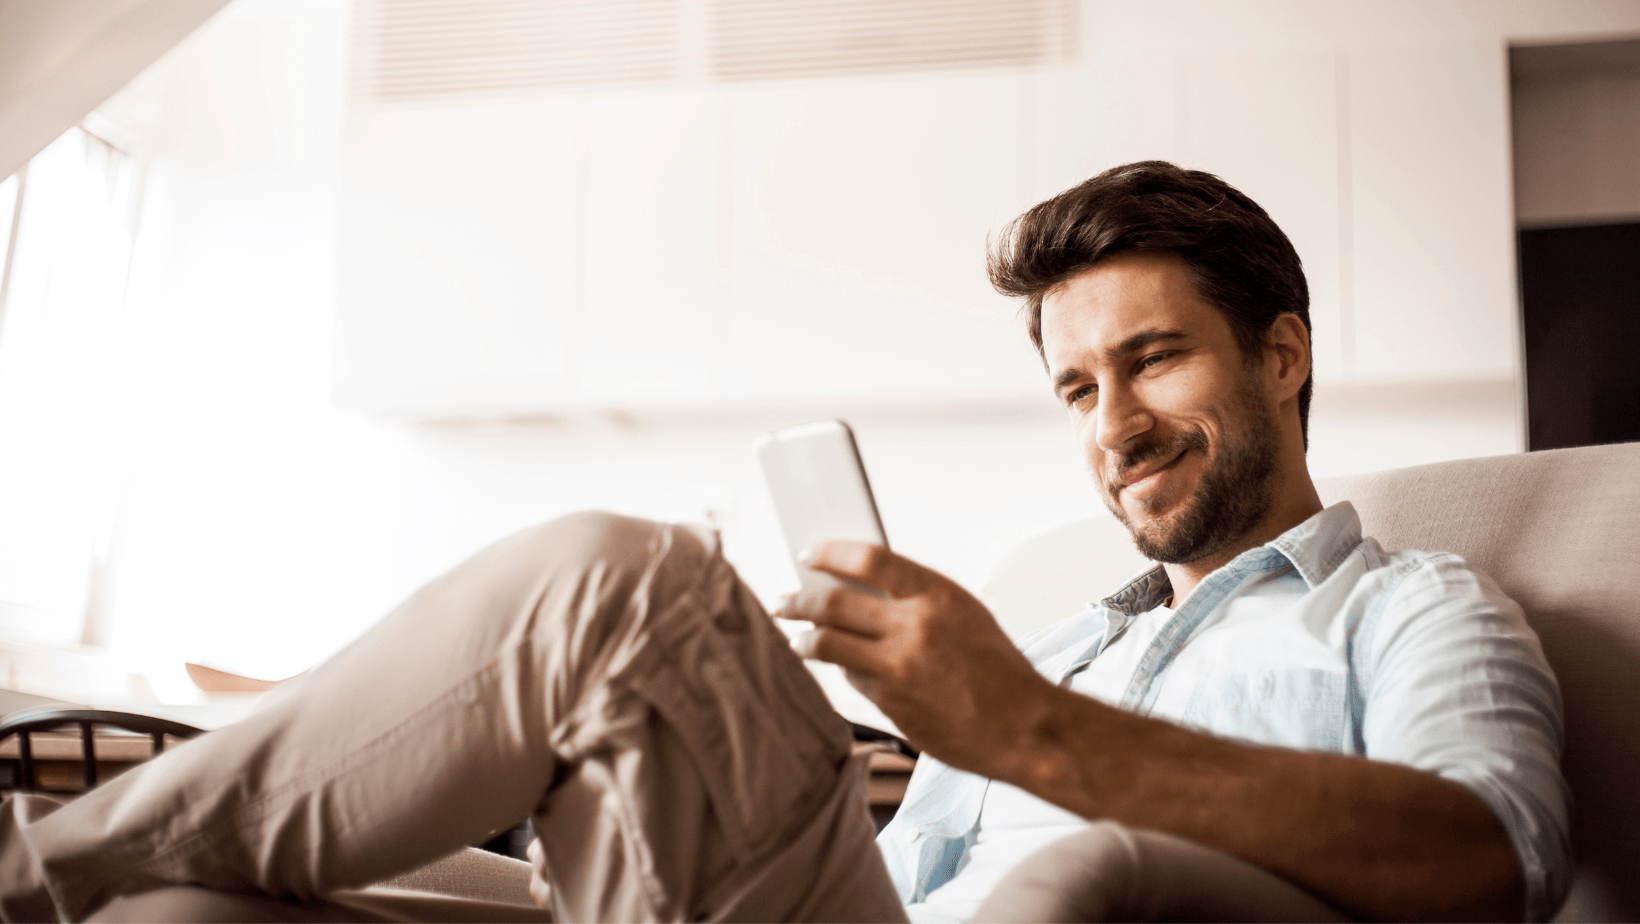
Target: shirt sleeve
1454,682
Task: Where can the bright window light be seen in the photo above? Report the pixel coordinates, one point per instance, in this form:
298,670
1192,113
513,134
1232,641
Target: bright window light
59,352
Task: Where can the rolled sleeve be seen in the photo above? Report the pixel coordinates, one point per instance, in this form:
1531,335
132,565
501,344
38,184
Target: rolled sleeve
1455,683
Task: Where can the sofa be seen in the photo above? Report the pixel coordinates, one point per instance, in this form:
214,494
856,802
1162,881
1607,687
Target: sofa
1558,530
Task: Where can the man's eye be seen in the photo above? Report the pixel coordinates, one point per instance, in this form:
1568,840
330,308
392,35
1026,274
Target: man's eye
1079,394
1153,359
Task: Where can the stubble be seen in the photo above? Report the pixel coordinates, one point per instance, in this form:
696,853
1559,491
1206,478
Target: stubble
1232,498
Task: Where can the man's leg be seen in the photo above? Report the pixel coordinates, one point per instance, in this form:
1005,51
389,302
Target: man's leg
610,676
191,903
1109,872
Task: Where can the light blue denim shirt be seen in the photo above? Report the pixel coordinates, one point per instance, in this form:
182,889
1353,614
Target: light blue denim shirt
1322,641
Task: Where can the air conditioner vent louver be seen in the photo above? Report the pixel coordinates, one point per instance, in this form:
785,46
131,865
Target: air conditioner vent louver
410,50
756,40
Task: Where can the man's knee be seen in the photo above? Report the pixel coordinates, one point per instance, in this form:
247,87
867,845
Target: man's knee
598,572
596,538
593,534
1086,876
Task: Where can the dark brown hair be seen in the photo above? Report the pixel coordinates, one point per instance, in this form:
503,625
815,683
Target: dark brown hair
1239,260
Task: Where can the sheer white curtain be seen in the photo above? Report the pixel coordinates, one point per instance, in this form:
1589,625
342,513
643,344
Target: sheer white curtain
72,210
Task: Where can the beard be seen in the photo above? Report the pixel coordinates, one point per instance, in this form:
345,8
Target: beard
1232,497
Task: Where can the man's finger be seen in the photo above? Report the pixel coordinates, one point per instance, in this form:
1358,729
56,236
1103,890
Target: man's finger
838,608
869,564
843,649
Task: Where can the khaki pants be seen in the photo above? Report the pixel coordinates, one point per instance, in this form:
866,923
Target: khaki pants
1108,872
609,677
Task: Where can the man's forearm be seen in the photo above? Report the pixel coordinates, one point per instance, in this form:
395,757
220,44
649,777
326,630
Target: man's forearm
1377,840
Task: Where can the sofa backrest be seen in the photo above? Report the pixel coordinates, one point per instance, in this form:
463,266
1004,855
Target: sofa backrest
1558,530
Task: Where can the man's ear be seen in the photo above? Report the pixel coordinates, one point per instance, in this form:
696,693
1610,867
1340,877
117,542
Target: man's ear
1287,345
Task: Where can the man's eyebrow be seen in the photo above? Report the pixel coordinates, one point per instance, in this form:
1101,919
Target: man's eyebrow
1065,378
1143,339
1132,344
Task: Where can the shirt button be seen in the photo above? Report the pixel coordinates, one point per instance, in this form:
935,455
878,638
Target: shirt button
913,834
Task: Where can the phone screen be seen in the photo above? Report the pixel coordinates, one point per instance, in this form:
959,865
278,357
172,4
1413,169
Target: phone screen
820,491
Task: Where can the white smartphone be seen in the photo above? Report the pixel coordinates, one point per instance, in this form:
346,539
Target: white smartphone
820,491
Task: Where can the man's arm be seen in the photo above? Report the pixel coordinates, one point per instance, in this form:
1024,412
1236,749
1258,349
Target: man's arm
1377,840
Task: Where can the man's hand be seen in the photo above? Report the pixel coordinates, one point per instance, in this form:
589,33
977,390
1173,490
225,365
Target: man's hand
940,666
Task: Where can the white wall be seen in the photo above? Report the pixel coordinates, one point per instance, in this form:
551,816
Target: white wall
682,237
261,527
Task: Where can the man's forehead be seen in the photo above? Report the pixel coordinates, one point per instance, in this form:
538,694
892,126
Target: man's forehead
1115,301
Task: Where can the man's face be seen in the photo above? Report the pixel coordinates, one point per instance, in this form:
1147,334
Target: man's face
1173,423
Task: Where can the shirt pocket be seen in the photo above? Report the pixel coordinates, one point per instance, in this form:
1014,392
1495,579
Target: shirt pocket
1300,708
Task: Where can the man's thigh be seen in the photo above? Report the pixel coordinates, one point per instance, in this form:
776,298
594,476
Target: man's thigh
191,903
711,779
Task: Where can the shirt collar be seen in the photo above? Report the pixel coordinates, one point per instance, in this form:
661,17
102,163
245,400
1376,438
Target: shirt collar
1315,547
1142,594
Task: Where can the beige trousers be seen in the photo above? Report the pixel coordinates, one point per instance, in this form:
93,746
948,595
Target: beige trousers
609,677
1108,872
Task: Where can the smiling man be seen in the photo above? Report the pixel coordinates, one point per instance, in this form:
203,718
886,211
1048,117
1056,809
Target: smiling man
1281,721
1281,711
1181,437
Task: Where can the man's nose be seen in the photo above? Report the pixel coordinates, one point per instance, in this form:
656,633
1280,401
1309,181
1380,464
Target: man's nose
1120,418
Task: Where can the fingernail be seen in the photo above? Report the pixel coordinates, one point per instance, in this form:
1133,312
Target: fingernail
783,602
805,557
804,643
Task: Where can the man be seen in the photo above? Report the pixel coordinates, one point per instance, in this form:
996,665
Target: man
1172,317
614,679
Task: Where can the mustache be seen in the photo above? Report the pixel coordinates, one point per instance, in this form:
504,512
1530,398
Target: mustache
1159,447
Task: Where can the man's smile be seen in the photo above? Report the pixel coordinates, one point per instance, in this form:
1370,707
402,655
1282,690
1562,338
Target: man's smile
1147,479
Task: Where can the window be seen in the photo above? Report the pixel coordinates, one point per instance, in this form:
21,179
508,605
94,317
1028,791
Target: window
68,221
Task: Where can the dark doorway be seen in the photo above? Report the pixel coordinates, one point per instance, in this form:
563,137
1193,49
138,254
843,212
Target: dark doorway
1575,111
1580,292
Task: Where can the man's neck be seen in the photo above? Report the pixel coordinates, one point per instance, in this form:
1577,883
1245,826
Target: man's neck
1292,508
